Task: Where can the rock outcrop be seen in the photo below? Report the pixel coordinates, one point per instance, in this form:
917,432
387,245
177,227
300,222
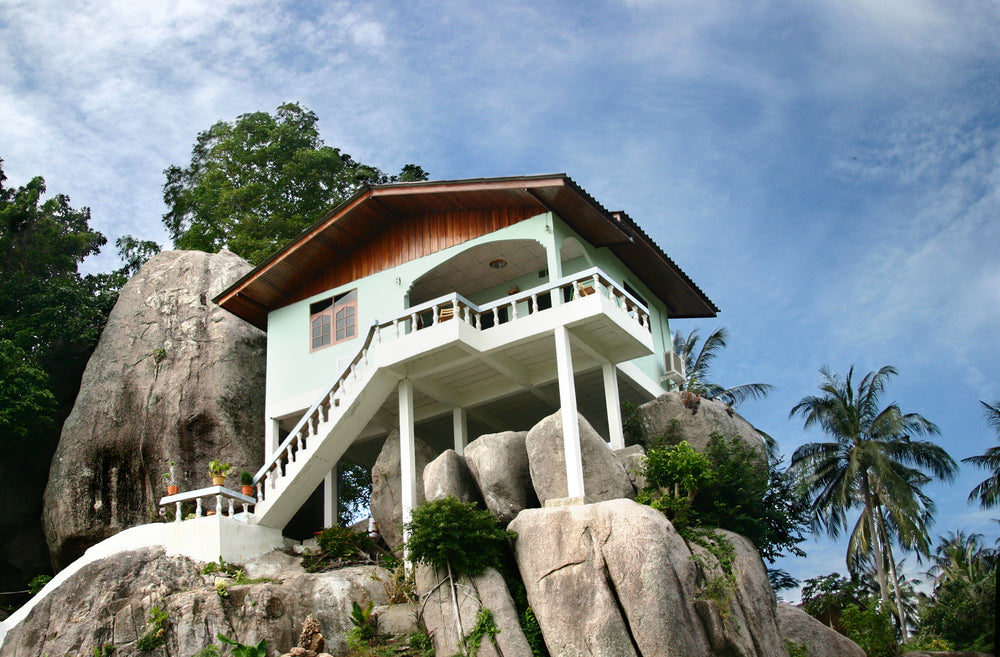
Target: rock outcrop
683,416
615,579
499,464
604,477
819,640
173,377
387,487
449,476
109,602
470,595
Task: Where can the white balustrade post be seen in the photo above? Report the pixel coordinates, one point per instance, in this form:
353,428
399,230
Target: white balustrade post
197,510
218,504
570,423
613,404
407,453
177,516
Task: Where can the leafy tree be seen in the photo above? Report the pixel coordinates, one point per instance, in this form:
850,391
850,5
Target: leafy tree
698,364
50,315
255,183
871,464
354,493
988,490
962,604
730,486
826,597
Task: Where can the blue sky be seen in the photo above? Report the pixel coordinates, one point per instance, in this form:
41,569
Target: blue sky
828,172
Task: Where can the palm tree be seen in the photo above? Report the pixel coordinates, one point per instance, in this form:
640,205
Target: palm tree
872,464
960,556
988,491
698,362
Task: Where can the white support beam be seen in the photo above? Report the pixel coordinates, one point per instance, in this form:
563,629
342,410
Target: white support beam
570,422
330,499
613,401
407,451
460,426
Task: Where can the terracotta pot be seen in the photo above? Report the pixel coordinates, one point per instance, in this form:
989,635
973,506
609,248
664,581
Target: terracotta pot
172,489
247,489
218,481
210,512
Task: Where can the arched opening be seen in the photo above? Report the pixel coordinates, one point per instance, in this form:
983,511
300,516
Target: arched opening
485,272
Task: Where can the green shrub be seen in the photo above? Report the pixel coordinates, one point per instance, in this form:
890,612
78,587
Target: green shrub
449,532
485,627
156,631
241,650
343,543
365,629
38,582
796,649
871,629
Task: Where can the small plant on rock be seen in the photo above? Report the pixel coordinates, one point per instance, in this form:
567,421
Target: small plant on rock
156,631
365,629
241,650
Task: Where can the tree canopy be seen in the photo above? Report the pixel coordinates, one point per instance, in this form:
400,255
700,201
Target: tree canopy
255,183
50,315
698,365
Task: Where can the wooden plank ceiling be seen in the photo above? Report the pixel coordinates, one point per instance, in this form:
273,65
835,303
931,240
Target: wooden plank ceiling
383,226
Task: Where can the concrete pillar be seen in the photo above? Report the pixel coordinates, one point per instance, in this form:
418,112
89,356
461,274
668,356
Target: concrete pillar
571,425
330,482
611,399
407,451
460,426
272,436
553,258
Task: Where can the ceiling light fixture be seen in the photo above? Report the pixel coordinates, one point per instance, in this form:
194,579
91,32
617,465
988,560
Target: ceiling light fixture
499,263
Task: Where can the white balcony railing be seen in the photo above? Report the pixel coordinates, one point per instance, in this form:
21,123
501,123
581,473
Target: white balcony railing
219,493
449,307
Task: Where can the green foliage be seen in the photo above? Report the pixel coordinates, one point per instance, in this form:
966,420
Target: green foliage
485,627
720,587
870,628
961,611
134,253
211,650
988,490
796,649
255,183
732,486
532,632
826,597
219,469
50,315
927,643
399,585
365,629
107,650
698,363
241,650
420,644
449,532
222,588
343,543
156,630
246,479
353,493
38,582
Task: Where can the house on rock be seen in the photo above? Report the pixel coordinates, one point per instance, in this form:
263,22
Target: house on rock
450,309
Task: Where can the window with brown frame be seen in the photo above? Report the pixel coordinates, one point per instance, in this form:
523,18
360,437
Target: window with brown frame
333,320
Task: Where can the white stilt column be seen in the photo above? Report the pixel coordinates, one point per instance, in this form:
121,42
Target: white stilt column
330,518
570,424
272,436
460,425
617,433
407,451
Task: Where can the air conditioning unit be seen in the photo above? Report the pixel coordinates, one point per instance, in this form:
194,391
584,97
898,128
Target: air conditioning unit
674,366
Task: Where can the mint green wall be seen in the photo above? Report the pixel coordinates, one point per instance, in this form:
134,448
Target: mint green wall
292,371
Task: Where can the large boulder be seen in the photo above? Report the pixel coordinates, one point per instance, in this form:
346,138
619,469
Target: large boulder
387,487
499,464
616,579
683,416
440,604
633,459
448,476
604,477
173,377
109,602
819,640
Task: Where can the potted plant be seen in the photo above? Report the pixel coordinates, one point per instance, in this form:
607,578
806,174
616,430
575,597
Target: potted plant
172,488
246,483
219,472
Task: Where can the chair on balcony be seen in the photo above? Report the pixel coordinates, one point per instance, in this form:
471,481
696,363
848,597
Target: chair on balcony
446,313
584,290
